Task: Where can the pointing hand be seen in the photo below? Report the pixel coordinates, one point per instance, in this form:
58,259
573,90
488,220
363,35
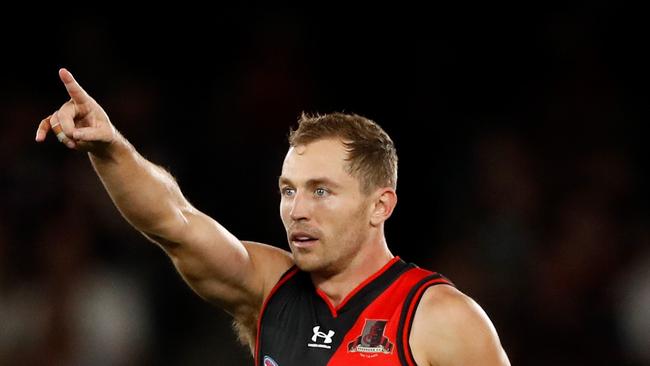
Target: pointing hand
81,122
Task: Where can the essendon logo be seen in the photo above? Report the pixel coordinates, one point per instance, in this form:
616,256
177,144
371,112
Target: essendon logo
372,338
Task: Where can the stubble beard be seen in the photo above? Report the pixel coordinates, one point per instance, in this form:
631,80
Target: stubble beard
312,260
332,254
327,260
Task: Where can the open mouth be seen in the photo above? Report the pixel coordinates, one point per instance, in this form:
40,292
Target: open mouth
302,239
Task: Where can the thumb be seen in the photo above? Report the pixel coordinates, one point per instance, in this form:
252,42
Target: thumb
92,134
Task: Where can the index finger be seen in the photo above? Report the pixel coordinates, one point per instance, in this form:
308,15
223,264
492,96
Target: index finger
75,90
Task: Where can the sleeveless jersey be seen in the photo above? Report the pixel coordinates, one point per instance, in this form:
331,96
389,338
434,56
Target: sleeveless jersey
298,325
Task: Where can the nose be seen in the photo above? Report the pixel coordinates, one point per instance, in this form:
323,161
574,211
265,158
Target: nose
299,207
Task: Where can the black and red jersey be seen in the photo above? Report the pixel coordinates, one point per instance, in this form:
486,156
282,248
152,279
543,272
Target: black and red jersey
298,325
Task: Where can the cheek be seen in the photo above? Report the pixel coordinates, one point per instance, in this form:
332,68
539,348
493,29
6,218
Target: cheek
284,212
357,219
344,218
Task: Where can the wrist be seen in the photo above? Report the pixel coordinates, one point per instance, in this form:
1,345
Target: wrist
111,151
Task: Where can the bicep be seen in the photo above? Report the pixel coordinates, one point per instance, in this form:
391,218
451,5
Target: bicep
452,329
222,269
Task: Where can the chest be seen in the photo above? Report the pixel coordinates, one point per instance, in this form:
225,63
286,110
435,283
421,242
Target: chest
300,327
306,330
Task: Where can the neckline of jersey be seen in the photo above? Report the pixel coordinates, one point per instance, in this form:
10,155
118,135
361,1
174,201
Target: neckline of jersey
335,310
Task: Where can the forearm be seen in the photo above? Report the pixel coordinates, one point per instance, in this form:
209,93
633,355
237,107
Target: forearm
145,194
211,259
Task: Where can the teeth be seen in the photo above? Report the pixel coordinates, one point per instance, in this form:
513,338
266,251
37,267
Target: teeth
303,238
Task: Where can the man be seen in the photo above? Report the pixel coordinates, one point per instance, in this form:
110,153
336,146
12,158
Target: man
340,297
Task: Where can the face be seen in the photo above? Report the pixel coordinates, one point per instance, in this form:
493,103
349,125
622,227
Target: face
324,212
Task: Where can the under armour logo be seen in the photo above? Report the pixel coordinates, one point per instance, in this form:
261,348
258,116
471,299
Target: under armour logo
327,338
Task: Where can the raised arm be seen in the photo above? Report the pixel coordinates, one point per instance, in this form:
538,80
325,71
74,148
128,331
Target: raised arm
220,268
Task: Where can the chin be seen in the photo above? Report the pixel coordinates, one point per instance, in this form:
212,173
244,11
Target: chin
308,262
306,265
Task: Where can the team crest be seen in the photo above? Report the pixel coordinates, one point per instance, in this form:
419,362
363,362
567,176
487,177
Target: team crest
372,338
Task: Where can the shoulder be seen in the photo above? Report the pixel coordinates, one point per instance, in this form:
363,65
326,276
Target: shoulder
270,262
449,328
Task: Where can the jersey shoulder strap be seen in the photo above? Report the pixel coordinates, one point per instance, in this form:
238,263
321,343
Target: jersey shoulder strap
286,276
408,312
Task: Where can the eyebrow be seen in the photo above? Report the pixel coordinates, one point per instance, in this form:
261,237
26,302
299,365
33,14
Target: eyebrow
311,182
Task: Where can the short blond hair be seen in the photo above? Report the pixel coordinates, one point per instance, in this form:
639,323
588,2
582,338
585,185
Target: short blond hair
372,155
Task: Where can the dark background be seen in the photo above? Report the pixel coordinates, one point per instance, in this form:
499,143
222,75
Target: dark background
523,171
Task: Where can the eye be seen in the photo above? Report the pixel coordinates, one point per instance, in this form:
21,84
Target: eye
287,191
320,192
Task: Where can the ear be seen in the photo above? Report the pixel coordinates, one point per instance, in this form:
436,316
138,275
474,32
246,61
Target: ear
384,203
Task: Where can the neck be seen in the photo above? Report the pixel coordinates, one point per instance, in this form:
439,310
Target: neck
369,260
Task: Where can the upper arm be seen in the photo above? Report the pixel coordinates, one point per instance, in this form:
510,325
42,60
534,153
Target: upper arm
449,328
220,268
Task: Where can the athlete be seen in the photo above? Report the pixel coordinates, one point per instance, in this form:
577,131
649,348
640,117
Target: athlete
339,297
